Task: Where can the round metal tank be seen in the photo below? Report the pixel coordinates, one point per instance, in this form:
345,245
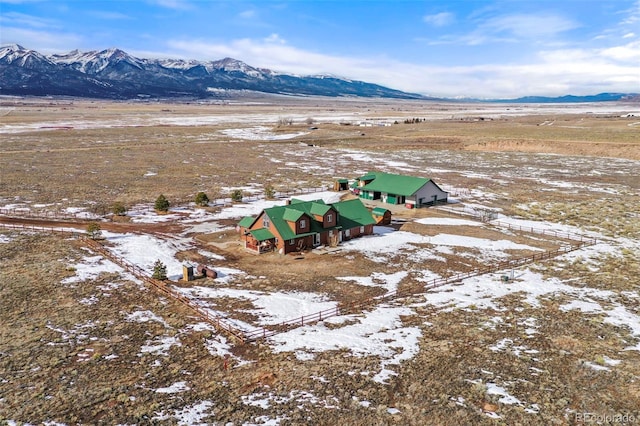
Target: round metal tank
207,272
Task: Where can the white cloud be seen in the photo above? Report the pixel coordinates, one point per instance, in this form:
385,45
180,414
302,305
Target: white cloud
632,14
272,52
528,26
44,41
19,1
629,52
553,73
248,14
21,19
439,19
108,15
173,4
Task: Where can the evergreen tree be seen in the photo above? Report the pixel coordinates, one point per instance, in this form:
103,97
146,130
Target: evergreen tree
159,270
162,204
236,195
201,199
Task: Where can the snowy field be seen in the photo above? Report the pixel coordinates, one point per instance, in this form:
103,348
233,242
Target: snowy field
586,283
380,331
459,111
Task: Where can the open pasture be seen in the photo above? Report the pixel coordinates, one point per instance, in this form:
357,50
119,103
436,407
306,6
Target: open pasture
84,342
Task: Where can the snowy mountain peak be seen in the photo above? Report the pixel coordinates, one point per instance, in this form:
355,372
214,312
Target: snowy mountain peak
18,55
231,65
327,75
113,73
94,62
11,48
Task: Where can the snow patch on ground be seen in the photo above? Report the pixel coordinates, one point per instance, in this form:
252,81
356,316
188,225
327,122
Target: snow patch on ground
379,332
5,239
190,415
144,250
259,133
447,221
174,388
271,308
379,279
90,267
146,316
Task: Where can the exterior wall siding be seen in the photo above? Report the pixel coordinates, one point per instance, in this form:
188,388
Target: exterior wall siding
428,192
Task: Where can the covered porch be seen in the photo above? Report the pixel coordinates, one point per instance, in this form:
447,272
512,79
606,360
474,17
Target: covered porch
260,241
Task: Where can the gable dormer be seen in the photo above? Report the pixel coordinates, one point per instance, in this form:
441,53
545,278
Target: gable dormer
298,221
324,214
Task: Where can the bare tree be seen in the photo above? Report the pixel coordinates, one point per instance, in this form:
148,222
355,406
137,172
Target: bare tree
285,121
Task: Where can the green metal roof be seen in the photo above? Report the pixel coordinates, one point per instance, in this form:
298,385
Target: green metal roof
246,222
368,176
276,216
379,211
352,213
342,180
297,201
291,215
319,209
262,234
395,184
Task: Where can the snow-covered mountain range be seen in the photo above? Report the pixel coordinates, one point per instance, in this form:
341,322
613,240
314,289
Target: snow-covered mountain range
115,74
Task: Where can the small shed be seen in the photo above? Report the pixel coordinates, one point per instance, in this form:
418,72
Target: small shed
381,215
341,185
187,272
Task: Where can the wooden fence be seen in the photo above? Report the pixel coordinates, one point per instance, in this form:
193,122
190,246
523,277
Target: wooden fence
224,325
396,294
219,322
49,214
479,216
84,215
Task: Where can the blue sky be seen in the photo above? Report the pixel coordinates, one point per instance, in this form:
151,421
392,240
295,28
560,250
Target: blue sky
457,48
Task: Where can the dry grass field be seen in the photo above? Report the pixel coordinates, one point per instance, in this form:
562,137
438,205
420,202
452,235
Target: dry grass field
84,342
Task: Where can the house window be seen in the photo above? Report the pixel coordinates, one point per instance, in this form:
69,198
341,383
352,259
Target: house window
265,221
292,242
303,223
329,218
362,229
347,233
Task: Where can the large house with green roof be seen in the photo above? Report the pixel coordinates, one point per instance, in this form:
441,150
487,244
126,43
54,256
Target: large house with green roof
302,225
399,189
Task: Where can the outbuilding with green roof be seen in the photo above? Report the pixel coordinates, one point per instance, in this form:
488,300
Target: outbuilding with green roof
399,189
